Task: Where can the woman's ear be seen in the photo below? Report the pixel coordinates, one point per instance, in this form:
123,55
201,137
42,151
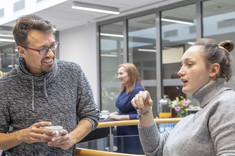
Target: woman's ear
214,70
21,50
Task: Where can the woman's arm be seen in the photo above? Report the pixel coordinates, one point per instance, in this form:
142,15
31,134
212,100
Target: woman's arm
143,102
151,139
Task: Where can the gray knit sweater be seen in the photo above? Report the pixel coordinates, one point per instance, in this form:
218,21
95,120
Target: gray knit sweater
63,97
210,132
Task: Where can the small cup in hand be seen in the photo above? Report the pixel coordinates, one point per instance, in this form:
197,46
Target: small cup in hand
54,128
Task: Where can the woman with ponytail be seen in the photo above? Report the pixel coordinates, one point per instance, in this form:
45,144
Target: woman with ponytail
206,66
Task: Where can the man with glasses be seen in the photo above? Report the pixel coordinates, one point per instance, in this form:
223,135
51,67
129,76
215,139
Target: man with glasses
43,91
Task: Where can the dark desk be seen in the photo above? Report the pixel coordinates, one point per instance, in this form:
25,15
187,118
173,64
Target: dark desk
98,133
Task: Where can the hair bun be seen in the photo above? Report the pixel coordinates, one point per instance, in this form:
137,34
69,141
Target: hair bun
228,45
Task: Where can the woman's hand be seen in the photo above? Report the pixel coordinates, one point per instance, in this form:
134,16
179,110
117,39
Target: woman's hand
114,116
142,101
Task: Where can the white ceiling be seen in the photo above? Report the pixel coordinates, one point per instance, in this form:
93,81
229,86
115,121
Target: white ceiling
64,17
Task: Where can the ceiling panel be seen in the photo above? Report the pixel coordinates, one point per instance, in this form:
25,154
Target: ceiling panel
63,17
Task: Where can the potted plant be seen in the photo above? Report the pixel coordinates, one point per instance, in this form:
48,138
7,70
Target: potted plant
180,105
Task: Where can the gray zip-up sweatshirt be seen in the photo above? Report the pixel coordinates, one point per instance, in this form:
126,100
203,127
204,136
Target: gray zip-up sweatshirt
63,97
209,132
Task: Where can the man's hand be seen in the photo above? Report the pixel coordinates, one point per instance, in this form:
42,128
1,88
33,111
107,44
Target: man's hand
36,133
64,141
67,140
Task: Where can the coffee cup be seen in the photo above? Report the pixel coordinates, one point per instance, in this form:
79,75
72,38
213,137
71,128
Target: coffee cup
56,129
104,114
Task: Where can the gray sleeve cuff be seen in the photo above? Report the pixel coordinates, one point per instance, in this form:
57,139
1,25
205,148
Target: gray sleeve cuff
93,122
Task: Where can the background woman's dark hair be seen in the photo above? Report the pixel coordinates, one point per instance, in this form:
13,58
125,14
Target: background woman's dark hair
26,23
218,53
133,74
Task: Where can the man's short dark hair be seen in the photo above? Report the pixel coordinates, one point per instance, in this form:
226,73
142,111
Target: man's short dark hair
29,22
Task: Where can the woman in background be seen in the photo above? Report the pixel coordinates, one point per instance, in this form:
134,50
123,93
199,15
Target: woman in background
131,85
205,68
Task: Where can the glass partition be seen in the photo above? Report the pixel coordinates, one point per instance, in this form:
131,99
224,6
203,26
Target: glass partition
142,51
8,53
111,55
9,58
218,23
178,32
103,140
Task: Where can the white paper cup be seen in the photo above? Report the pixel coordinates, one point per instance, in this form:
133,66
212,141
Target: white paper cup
54,128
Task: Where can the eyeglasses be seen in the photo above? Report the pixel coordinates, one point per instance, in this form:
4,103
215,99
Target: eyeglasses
45,50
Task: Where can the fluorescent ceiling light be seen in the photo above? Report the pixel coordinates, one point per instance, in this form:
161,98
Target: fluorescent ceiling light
95,7
111,35
191,43
5,35
147,50
10,65
109,55
6,40
176,21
